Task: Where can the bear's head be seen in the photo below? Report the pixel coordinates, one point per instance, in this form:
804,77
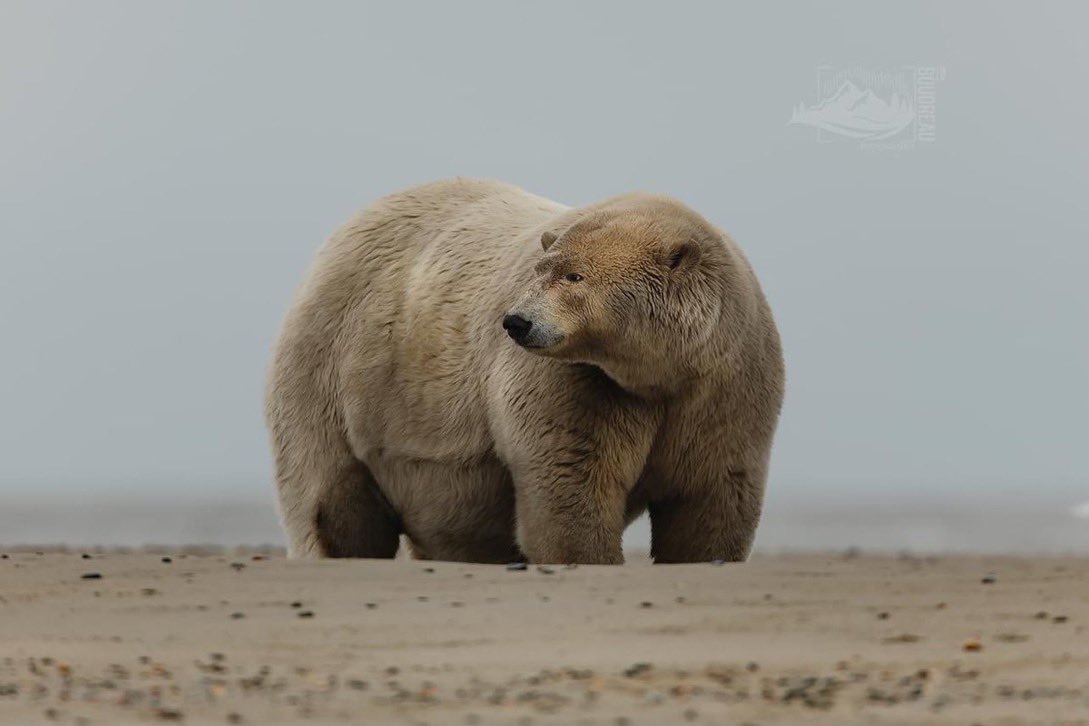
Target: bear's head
639,286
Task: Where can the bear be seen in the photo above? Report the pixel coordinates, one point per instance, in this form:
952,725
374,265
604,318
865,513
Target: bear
499,377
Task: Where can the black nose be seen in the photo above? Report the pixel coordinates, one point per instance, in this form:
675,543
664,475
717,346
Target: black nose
517,327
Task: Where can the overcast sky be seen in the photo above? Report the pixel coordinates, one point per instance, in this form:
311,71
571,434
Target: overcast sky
167,171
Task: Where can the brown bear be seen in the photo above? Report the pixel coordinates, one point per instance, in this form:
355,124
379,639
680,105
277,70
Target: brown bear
497,376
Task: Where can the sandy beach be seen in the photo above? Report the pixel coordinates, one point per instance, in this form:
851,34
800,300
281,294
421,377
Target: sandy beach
253,638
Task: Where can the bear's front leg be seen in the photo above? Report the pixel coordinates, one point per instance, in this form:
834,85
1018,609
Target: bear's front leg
568,513
575,449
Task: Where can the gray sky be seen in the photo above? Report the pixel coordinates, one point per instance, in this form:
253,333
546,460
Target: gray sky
168,169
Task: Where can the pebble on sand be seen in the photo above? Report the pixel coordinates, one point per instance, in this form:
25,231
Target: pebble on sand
637,669
902,638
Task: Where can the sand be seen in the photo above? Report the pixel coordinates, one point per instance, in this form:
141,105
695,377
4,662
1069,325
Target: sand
837,638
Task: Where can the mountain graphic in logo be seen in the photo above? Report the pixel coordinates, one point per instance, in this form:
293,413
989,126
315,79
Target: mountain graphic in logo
857,114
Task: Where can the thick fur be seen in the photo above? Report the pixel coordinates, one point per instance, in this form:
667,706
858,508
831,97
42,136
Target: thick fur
397,403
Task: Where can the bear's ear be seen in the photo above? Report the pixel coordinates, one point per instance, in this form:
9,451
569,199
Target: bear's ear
683,256
547,239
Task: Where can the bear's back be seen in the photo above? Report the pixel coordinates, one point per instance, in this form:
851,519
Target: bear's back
430,272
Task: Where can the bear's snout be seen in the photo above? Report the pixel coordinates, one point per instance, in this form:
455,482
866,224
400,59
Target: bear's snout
517,328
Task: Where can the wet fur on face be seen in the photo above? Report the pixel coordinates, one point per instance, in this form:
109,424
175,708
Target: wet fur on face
632,290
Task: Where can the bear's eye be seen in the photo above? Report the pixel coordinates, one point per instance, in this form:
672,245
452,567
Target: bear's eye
573,277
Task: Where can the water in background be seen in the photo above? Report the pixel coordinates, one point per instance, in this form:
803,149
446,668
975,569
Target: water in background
1032,523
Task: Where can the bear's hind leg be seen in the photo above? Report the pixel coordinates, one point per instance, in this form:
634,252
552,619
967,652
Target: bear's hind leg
353,518
337,511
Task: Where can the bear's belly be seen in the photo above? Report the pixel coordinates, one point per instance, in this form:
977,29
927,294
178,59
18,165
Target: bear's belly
451,509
